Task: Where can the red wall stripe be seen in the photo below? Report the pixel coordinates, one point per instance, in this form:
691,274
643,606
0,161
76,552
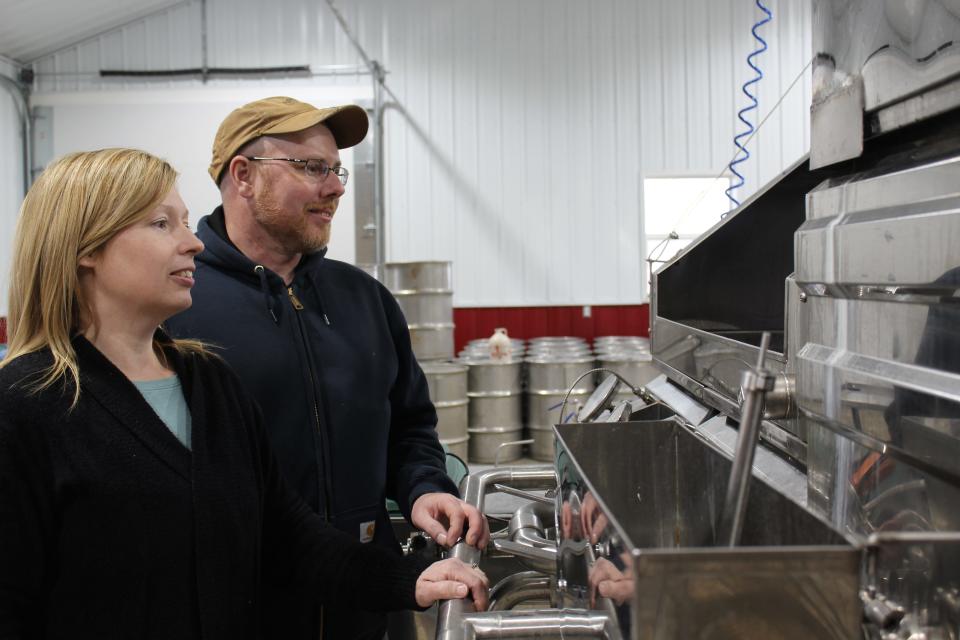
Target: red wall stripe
530,322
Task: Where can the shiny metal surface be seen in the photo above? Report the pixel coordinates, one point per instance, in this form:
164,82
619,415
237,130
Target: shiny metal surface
452,614
427,275
543,411
903,583
874,342
446,380
557,372
599,399
543,446
692,411
426,307
754,387
424,292
547,624
485,374
432,341
486,442
837,122
447,383
878,360
643,530
495,409
451,419
637,368
902,54
520,588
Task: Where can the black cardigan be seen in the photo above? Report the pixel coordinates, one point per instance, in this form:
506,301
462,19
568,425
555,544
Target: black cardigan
111,528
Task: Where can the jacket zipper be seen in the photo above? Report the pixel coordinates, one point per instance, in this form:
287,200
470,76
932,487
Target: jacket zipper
313,384
297,305
294,300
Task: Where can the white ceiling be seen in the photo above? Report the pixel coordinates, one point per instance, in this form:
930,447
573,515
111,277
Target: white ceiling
30,29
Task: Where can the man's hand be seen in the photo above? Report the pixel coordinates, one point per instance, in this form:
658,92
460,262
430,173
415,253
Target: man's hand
452,579
442,517
608,581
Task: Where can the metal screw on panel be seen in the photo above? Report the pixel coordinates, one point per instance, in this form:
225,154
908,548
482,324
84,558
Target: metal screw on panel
803,296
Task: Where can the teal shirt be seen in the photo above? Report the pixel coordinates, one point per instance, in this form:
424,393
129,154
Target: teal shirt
165,397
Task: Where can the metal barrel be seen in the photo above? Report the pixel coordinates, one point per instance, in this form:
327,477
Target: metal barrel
615,342
549,377
425,295
495,415
480,348
448,392
424,275
636,367
459,447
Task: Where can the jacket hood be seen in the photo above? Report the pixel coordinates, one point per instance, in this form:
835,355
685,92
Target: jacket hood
219,252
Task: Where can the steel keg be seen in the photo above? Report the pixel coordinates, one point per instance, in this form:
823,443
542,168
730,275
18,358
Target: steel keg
549,378
601,343
448,392
480,348
495,412
425,275
371,268
630,357
424,292
459,447
637,368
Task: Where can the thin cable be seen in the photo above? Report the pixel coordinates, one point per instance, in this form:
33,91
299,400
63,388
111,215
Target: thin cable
742,154
563,405
703,192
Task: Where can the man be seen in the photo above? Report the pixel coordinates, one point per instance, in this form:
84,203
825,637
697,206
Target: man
322,346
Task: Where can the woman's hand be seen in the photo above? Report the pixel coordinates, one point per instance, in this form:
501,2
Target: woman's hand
451,579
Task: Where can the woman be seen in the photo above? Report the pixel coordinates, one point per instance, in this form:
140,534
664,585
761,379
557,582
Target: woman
138,495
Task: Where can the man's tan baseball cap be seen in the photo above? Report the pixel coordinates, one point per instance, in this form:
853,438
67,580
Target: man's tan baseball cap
348,124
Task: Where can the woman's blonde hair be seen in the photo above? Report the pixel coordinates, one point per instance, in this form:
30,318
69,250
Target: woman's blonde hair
76,206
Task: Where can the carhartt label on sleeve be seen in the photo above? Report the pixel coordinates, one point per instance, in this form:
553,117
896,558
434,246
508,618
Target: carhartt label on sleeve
366,530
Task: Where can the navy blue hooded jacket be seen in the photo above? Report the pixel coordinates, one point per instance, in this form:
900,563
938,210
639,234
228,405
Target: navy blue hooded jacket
329,361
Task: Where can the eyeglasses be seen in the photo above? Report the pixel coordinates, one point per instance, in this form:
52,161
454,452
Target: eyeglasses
316,169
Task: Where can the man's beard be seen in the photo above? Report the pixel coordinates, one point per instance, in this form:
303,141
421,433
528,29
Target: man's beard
292,230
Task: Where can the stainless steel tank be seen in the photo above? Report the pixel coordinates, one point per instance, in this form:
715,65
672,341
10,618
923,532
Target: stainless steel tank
551,379
495,391
424,291
847,267
448,392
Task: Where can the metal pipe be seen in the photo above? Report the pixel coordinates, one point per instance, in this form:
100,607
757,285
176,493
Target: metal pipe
204,64
20,93
519,588
474,488
549,623
529,541
379,76
378,160
754,386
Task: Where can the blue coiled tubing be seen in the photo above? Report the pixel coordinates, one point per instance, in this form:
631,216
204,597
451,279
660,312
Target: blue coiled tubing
742,154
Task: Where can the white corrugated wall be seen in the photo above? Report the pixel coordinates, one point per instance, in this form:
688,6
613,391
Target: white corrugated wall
11,177
518,133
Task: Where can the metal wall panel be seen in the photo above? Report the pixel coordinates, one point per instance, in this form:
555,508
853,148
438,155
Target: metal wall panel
11,179
29,30
518,133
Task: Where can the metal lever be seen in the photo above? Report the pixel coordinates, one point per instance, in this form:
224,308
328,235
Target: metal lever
754,386
523,494
543,554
